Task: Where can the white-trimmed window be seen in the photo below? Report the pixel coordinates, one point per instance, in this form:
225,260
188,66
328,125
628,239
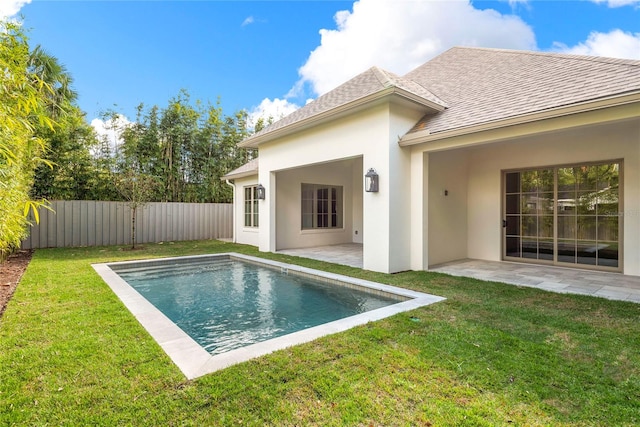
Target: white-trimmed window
251,206
321,206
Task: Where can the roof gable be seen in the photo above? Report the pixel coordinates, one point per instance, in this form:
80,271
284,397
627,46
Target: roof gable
370,84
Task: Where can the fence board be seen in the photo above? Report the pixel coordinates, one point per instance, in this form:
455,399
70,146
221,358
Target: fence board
91,223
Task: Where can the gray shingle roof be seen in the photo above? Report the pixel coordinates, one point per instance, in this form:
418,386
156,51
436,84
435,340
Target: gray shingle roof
476,86
372,81
248,169
484,85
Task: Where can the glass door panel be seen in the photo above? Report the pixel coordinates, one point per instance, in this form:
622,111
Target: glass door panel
564,215
529,204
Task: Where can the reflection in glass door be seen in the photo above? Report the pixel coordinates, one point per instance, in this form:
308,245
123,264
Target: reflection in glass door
567,215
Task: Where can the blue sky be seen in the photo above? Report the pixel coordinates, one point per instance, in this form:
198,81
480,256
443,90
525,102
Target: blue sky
269,57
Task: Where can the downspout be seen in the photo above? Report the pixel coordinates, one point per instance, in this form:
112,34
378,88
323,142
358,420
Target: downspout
233,216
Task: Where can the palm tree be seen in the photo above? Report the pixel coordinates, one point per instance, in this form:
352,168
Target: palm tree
56,80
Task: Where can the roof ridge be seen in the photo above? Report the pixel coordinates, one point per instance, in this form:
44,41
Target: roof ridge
385,77
571,56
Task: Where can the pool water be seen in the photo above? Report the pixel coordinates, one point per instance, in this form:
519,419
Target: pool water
226,304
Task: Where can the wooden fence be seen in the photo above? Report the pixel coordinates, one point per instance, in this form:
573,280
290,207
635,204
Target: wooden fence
76,223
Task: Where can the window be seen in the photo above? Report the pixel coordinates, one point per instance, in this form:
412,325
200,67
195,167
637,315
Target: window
251,206
565,215
321,206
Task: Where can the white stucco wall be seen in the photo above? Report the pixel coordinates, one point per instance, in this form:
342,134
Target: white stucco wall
447,214
382,219
242,234
476,174
288,202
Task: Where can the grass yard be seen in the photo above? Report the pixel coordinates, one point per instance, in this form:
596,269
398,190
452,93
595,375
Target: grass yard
491,354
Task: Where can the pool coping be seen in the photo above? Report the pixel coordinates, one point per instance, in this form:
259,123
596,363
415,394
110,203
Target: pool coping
194,361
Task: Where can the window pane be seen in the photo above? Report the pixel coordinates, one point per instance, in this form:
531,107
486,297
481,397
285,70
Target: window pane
587,202
513,204
608,254
608,228
586,228
545,204
307,221
529,248
529,203
513,225
530,183
608,176
567,251
513,247
513,182
545,249
546,180
566,183
307,207
587,252
608,202
587,177
545,226
567,227
530,226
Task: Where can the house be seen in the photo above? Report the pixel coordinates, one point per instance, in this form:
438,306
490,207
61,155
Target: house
479,153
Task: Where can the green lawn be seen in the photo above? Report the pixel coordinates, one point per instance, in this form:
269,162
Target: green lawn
491,354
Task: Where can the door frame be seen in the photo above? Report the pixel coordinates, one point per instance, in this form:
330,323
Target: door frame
555,262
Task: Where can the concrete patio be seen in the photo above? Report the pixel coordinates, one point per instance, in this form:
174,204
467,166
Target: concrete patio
612,286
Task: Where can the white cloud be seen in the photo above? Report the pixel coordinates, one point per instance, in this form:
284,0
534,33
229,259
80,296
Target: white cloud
276,109
614,44
618,3
248,20
9,8
400,35
110,130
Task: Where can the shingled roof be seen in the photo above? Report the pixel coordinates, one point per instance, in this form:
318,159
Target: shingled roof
248,169
466,87
374,81
485,85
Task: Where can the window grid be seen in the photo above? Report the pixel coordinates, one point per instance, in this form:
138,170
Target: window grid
564,214
321,206
251,211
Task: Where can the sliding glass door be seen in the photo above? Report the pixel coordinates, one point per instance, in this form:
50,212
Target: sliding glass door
564,215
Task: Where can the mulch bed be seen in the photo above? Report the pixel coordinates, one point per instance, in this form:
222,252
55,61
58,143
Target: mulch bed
11,271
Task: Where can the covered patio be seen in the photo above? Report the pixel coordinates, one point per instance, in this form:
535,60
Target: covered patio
614,286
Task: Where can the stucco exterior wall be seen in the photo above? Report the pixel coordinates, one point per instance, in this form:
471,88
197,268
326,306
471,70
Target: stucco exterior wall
475,175
242,234
288,201
362,135
447,213
381,219
587,144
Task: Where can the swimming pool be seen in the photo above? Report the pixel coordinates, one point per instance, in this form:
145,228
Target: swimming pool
208,312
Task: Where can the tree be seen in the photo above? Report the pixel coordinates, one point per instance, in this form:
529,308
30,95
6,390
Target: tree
69,147
23,107
137,189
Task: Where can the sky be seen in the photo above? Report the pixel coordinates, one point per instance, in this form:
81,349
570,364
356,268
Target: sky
271,57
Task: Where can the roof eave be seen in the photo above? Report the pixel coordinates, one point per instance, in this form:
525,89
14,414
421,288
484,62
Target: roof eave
614,101
254,142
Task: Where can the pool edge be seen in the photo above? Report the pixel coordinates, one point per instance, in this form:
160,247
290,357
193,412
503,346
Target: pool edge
194,361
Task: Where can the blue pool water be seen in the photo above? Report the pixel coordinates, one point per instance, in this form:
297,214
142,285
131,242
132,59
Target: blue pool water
227,304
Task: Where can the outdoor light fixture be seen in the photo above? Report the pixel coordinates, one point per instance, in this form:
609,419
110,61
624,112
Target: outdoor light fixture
260,192
371,181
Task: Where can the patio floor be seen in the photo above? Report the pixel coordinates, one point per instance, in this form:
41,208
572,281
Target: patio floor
613,286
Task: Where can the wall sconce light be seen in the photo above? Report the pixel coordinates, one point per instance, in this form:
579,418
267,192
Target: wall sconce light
371,181
260,192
